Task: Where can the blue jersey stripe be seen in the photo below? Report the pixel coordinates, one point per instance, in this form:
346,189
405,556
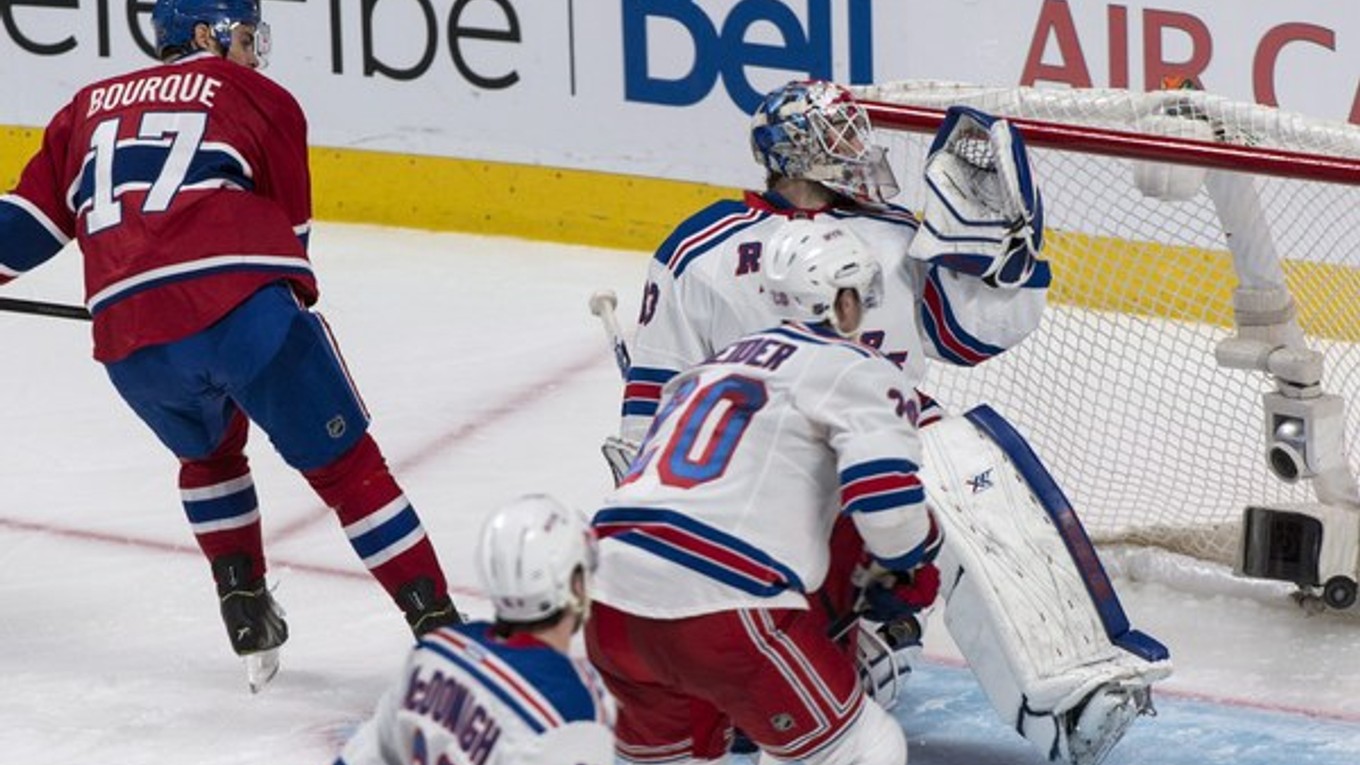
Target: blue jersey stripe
650,374
617,523
639,408
876,467
140,164
874,503
553,675
805,334
683,238
488,682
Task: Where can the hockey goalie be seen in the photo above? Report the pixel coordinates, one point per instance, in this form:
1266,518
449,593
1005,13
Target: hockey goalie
1027,600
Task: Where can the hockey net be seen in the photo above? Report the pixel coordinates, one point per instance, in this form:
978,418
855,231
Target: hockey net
1119,391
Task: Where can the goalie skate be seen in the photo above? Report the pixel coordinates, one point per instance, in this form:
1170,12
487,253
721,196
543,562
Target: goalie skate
1094,727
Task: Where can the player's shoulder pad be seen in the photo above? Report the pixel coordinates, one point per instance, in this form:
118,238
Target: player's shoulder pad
532,670
705,230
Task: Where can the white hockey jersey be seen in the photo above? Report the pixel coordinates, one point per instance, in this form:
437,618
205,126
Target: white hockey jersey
731,500
469,698
703,292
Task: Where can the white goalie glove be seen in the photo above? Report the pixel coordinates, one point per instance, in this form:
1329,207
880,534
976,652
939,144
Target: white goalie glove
983,212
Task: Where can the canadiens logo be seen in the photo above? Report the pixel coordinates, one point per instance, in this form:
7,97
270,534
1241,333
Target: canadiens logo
981,482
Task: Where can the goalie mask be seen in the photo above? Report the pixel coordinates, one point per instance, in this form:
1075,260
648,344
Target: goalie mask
529,553
815,131
174,22
808,263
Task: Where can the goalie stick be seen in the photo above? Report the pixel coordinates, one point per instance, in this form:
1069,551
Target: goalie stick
59,310
602,304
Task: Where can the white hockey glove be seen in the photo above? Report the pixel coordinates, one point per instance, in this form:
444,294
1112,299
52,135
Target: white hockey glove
619,453
983,213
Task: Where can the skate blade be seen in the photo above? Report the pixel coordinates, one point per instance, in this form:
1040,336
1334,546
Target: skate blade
261,668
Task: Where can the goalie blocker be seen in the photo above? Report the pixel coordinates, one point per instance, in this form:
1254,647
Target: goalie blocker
1027,600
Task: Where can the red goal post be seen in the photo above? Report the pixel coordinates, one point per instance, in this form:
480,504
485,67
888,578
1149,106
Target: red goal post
1119,390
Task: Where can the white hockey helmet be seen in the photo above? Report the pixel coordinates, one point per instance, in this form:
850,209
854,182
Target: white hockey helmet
815,130
808,262
529,553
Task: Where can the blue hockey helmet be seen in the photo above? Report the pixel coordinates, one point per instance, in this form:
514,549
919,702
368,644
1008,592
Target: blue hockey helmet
174,22
815,130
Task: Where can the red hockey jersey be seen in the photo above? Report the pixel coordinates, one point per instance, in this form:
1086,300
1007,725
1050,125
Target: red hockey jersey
186,186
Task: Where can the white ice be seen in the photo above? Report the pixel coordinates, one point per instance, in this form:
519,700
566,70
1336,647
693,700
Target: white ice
487,377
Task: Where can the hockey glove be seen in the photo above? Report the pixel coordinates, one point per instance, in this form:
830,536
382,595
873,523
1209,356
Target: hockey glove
983,213
619,453
893,595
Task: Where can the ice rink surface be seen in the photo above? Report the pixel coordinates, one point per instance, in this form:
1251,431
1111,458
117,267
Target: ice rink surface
487,377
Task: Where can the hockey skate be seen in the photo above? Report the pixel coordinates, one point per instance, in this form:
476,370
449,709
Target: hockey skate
1094,727
425,612
253,619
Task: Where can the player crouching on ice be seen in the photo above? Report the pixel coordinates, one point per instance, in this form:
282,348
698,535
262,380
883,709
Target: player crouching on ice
506,692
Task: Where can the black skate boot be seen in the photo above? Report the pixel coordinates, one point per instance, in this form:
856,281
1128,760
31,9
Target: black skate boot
425,612
254,621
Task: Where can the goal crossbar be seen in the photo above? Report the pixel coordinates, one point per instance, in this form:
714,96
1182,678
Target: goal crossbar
1119,143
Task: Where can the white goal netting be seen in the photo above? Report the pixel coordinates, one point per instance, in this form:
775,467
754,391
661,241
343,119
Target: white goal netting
1119,391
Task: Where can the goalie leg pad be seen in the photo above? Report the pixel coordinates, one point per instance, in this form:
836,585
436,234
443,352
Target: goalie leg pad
1027,601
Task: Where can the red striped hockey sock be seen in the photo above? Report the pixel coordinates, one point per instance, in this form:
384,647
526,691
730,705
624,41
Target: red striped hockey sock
219,500
381,524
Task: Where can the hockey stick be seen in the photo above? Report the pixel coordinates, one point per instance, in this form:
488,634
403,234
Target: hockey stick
617,452
602,304
59,310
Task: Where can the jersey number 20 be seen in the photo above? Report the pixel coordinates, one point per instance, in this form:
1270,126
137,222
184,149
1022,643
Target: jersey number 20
706,435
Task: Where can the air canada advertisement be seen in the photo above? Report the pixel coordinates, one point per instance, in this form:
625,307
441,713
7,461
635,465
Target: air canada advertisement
662,87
